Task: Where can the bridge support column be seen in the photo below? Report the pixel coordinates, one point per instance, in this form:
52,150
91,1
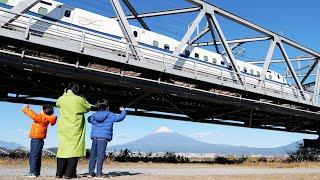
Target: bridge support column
21,8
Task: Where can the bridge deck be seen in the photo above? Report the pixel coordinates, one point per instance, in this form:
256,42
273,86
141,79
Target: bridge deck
38,60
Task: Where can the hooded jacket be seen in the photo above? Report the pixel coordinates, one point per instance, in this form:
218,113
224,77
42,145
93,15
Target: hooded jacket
102,123
71,129
40,125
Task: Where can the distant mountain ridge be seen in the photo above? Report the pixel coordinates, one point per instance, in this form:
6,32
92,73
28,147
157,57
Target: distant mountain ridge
10,145
166,140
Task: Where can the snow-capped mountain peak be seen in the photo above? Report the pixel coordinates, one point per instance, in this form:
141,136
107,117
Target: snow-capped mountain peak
162,130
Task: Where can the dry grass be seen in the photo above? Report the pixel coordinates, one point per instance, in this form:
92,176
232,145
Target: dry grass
52,161
244,165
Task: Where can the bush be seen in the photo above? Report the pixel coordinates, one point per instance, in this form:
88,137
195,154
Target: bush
304,154
229,160
168,157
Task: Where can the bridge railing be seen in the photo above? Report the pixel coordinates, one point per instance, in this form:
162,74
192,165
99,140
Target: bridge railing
164,61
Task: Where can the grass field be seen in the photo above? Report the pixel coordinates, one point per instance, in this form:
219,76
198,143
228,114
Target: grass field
15,169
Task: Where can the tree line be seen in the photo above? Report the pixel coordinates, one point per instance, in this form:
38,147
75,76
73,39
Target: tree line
302,154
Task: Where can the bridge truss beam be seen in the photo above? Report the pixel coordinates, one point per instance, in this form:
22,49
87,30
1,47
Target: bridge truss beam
126,30
135,14
244,40
163,13
21,8
211,11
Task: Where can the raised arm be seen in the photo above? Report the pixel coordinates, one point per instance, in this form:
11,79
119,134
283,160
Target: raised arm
86,106
34,116
121,116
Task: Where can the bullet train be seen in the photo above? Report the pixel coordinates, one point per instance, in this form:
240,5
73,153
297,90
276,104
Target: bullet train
206,61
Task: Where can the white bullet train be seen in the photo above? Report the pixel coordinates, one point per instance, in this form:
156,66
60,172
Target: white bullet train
207,61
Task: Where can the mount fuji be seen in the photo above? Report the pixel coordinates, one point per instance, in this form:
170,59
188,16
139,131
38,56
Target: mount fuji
166,140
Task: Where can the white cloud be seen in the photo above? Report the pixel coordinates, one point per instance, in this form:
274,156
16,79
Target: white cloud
205,135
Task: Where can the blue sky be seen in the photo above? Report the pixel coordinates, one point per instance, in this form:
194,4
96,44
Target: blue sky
291,18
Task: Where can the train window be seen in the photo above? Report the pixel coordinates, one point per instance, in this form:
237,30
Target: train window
167,47
4,1
67,13
214,61
155,43
258,73
245,70
187,53
135,33
205,58
270,76
251,71
222,63
278,76
196,55
43,11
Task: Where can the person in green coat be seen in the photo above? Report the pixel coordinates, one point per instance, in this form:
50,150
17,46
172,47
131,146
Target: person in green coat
71,131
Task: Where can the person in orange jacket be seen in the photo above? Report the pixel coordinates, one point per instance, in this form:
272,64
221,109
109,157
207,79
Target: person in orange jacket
38,133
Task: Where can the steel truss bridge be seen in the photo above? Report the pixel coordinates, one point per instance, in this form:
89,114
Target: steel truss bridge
36,63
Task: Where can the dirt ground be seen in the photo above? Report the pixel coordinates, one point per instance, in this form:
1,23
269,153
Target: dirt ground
133,171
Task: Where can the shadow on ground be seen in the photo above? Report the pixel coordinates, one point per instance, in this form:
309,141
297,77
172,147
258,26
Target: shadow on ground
115,174
123,173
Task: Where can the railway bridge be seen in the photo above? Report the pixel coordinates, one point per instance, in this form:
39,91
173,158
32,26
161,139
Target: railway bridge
37,62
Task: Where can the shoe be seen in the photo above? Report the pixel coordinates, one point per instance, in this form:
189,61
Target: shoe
91,175
101,176
69,177
59,177
30,175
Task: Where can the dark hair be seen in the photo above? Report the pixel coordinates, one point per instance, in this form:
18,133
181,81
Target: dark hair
74,87
47,109
103,105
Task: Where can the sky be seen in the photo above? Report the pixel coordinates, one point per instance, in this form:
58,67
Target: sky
291,18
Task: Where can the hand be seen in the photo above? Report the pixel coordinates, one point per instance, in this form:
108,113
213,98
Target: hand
26,106
121,108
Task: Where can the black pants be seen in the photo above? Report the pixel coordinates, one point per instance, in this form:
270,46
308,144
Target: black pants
67,167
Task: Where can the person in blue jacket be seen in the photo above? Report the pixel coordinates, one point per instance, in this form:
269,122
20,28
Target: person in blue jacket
101,133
